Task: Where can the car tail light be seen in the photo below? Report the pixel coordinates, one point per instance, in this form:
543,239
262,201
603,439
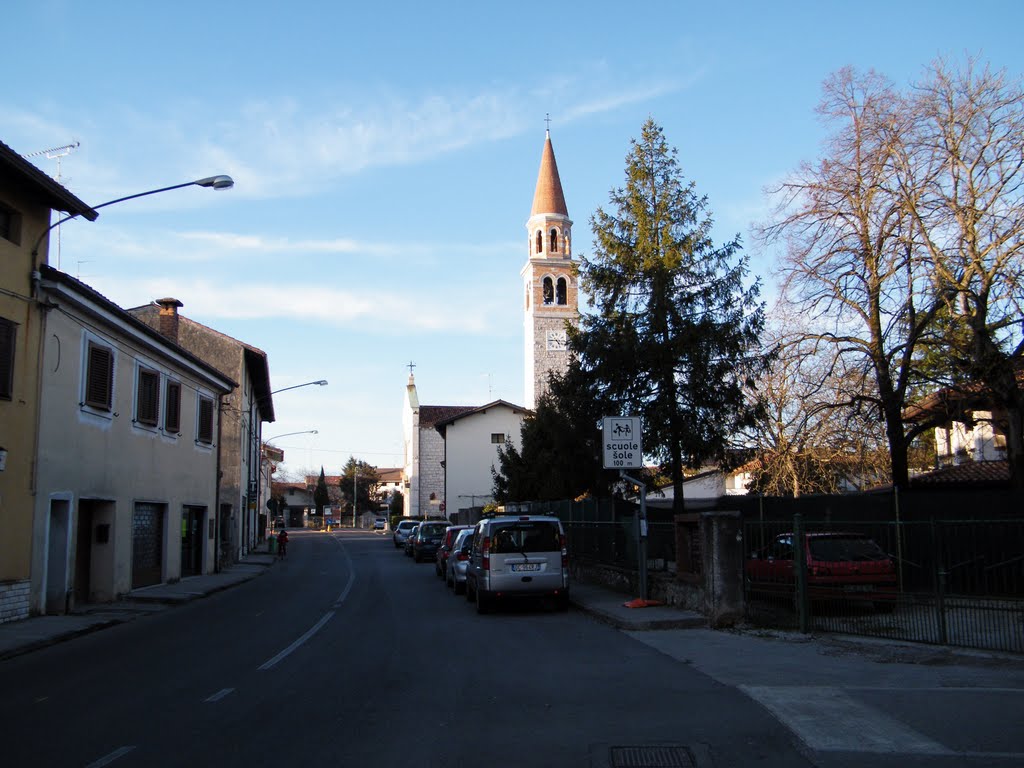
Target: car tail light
487,553
462,556
818,570
565,552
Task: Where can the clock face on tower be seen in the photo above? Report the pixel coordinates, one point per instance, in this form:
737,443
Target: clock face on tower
556,340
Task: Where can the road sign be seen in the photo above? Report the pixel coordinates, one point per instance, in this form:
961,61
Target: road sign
623,445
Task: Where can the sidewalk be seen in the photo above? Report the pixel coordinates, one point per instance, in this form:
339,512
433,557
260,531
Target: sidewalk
18,637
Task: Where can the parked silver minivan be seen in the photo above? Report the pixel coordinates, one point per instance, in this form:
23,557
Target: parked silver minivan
515,557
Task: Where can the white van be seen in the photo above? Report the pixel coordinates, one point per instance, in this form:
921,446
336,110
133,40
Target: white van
516,557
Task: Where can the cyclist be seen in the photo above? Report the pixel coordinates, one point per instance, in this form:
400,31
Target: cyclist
282,543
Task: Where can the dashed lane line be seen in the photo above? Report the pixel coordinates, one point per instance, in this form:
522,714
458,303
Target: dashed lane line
271,663
108,759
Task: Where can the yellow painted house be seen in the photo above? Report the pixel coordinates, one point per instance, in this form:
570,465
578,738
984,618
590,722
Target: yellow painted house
27,198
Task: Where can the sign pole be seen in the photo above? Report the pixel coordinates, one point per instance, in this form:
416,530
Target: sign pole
641,535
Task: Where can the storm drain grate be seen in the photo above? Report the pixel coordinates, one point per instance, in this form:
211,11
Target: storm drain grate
651,757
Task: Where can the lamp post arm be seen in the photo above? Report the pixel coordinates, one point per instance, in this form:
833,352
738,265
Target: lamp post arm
217,182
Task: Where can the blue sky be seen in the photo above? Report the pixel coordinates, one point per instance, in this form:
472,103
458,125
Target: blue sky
385,156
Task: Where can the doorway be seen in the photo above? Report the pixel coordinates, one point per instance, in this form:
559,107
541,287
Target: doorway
147,544
58,549
192,540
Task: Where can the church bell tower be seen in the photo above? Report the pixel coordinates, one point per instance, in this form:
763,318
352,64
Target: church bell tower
549,279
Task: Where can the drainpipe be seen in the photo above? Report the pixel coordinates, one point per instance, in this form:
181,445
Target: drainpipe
216,494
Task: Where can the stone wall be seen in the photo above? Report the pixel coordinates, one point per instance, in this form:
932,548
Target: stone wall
13,600
431,471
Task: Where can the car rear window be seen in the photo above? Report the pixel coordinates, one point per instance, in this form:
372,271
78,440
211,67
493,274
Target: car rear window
437,529
837,549
525,536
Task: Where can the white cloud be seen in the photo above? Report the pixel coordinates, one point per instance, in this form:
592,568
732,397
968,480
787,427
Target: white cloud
303,302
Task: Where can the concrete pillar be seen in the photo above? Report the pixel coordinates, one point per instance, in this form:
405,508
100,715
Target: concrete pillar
722,551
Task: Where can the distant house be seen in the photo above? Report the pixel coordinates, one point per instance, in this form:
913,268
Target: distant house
704,488
471,442
970,437
243,496
299,506
128,439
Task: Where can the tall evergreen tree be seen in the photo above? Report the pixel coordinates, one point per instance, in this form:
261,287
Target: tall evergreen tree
320,495
361,479
674,339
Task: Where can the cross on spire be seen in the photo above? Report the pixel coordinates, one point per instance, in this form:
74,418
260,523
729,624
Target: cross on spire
547,119
410,366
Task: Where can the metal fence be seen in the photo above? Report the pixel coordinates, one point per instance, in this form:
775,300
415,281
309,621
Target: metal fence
606,531
954,582
958,580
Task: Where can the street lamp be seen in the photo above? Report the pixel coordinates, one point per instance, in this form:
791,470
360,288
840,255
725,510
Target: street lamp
215,182
289,434
319,383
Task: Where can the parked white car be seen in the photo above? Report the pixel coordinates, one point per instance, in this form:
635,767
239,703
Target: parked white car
518,557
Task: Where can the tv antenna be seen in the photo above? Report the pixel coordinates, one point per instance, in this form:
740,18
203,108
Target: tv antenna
56,153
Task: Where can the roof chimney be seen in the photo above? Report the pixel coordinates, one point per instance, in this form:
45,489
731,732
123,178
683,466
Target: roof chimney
169,318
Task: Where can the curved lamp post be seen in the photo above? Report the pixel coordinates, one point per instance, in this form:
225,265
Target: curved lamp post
289,434
215,182
319,383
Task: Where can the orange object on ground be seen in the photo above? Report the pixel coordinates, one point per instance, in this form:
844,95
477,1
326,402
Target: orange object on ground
641,603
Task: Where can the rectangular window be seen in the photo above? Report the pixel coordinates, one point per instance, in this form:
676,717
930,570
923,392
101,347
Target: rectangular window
204,432
147,404
7,335
10,224
99,377
498,438
172,407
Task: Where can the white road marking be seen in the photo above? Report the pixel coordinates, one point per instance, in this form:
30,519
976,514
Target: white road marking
269,664
108,759
219,695
828,720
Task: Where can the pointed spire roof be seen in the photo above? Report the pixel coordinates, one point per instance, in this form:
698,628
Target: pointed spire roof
548,197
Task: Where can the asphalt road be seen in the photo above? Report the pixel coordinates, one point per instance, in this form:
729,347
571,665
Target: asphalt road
349,654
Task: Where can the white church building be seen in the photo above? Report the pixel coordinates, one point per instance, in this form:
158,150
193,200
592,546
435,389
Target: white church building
449,450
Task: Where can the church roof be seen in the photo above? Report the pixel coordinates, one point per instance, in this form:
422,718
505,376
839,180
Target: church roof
432,414
548,197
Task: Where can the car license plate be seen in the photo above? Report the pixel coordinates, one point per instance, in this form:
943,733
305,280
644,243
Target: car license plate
516,567
858,588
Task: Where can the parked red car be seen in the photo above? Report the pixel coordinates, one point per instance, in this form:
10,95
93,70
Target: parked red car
840,566
441,558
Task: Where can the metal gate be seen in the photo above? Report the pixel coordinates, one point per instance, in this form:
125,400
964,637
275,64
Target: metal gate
948,582
147,544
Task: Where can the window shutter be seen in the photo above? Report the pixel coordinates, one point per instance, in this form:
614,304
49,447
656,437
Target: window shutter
6,359
148,408
205,420
99,377
172,410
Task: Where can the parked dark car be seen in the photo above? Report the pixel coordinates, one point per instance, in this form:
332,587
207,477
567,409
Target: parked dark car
427,539
441,559
840,566
410,539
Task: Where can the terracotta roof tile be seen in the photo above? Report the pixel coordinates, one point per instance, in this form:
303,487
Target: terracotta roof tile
968,473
